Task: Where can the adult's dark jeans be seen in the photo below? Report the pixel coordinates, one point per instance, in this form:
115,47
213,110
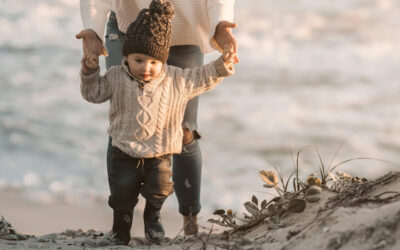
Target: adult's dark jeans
186,166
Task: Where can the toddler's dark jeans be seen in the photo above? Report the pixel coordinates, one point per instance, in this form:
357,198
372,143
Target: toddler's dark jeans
128,176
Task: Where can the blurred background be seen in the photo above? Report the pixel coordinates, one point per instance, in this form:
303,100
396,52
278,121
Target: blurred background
312,72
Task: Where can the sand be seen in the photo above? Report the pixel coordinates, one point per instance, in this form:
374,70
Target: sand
39,219
362,216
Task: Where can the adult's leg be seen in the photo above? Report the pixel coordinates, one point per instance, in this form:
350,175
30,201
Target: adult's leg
114,42
187,165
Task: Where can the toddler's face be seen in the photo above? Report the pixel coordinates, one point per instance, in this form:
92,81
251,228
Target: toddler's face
144,67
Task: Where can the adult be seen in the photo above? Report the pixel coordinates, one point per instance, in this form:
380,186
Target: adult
199,27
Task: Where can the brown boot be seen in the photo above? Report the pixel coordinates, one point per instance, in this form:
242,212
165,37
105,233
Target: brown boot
190,225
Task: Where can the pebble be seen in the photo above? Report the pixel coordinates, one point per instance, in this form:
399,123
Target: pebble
313,198
313,190
296,206
89,242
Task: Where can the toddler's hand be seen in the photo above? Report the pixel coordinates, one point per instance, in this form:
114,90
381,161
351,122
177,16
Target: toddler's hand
90,64
228,54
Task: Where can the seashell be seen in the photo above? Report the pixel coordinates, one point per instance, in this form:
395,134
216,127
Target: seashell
343,175
313,198
313,190
313,180
296,206
356,180
269,177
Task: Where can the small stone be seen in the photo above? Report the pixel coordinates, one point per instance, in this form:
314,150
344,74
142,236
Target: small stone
49,236
70,233
104,242
273,226
326,229
313,190
313,198
381,244
296,206
9,237
89,242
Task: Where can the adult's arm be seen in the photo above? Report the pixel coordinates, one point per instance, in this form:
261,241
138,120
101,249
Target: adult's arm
94,15
221,14
94,18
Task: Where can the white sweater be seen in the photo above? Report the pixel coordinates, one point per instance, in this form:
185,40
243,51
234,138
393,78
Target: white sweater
194,22
146,118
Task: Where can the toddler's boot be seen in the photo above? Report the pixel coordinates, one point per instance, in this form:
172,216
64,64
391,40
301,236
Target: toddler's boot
153,228
121,228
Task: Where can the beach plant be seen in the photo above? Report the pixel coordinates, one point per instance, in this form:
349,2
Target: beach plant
226,218
7,232
327,171
286,201
297,183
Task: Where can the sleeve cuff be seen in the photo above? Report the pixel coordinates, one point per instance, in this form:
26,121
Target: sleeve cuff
224,69
87,79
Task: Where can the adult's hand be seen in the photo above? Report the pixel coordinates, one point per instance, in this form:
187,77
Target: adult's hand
223,35
91,44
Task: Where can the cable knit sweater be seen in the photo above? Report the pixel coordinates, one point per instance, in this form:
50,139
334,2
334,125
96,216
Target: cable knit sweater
194,22
146,118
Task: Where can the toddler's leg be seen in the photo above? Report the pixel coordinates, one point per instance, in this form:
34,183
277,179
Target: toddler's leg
157,185
114,42
125,182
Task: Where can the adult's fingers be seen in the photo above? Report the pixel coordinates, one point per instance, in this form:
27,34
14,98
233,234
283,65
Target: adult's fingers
226,24
79,35
91,43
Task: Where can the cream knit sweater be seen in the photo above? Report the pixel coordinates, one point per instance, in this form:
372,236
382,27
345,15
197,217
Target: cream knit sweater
194,22
146,118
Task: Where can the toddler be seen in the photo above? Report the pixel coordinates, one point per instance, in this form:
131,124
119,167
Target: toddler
148,100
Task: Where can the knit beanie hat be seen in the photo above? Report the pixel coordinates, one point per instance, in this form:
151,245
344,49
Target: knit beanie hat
150,33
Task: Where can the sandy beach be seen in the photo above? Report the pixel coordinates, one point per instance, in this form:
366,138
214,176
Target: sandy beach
40,219
363,215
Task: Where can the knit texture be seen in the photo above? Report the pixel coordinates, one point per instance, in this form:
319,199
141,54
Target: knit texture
194,22
150,33
146,122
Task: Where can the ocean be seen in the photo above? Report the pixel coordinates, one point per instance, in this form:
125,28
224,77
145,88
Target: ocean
323,74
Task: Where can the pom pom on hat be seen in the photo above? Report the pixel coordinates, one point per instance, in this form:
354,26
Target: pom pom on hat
162,7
